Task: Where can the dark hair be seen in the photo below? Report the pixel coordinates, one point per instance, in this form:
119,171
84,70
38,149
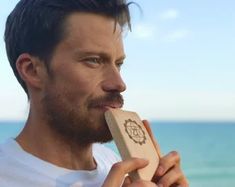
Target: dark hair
37,26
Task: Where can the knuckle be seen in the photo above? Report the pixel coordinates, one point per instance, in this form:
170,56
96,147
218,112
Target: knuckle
117,166
141,183
185,181
182,178
178,170
137,161
176,155
164,181
172,177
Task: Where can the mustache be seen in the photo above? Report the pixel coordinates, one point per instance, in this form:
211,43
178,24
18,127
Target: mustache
109,99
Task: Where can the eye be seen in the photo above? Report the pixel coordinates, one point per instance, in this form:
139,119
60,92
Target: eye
93,61
119,65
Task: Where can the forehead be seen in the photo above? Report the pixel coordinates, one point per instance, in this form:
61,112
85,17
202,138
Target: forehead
88,30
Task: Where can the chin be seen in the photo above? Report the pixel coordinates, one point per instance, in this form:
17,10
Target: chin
103,133
97,131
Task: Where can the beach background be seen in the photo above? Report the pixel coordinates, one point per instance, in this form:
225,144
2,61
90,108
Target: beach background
207,148
180,75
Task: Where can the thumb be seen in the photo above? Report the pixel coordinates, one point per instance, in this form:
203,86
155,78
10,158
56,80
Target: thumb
120,169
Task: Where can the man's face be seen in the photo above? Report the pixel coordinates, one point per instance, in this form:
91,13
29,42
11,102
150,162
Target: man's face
84,78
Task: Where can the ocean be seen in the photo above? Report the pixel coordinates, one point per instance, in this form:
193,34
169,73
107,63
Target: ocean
207,149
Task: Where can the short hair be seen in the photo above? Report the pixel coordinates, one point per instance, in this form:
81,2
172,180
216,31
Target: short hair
37,26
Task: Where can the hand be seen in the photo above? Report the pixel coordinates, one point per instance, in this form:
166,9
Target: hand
116,176
168,173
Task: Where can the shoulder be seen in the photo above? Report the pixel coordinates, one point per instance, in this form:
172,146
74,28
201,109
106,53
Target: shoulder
8,154
3,155
5,162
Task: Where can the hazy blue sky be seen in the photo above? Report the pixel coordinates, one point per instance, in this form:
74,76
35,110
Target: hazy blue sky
180,62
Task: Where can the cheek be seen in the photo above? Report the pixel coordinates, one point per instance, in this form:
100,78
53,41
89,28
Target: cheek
78,89
76,81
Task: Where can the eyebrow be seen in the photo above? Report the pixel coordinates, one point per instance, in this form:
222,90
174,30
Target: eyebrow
104,55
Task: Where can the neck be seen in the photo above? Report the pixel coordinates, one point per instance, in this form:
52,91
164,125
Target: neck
38,139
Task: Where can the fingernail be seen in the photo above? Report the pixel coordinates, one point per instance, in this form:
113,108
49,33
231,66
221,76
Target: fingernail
160,170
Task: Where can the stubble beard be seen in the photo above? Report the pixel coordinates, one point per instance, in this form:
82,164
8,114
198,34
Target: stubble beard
76,124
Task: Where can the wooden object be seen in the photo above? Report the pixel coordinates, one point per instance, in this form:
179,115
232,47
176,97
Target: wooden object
132,140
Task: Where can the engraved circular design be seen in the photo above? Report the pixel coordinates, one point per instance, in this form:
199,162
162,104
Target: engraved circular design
135,131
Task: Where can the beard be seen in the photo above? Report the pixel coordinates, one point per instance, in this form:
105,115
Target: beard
79,123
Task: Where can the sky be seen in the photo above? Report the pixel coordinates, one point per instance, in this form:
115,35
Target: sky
180,62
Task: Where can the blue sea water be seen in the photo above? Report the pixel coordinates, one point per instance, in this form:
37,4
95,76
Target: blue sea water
207,149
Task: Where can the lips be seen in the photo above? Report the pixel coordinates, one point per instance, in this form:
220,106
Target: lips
109,105
104,106
113,105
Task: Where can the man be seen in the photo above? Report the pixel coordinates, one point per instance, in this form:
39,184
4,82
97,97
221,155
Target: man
67,56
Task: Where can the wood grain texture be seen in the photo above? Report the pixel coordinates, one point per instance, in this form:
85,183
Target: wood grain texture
132,140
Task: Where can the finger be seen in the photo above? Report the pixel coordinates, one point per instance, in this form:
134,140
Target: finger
174,177
142,183
127,182
156,145
139,183
167,162
120,169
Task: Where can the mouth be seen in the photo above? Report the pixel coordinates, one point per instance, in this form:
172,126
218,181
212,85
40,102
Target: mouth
106,106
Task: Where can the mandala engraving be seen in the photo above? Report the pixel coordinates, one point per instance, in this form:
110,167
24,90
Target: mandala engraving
135,131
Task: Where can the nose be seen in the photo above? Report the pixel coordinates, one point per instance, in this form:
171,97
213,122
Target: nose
113,82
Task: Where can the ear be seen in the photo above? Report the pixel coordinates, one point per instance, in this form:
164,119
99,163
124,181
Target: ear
31,70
